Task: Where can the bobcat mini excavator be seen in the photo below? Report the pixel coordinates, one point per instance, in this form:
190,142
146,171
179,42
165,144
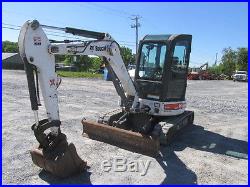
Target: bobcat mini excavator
152,107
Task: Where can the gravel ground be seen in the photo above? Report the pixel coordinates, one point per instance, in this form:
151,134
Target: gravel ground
212,151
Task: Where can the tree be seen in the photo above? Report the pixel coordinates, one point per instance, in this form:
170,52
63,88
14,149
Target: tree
67,59
231,60
96,63
228,61
9,47
242,59
60,58
127,55
215,69
86,63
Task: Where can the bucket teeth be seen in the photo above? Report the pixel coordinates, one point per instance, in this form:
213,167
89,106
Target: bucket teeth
63,165
125,139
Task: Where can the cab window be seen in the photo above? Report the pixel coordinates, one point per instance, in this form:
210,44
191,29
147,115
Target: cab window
152,61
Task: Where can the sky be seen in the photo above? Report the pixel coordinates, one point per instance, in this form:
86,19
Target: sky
214,26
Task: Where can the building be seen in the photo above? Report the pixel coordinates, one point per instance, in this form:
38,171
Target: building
12,61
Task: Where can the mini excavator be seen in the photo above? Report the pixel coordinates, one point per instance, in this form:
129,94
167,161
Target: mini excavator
152,108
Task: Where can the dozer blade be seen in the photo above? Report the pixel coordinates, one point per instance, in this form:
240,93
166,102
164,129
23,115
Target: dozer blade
122,138
62,165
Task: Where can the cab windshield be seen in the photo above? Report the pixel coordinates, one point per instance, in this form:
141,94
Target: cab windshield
152,61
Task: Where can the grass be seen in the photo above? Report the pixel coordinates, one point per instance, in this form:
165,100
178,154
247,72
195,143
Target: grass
79,74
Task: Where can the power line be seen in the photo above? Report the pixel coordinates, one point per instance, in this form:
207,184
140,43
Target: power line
56,21
11,28
104,9
110,9
32,17
60,34
11,25
47,32
51,34
152,24
121,13
44,29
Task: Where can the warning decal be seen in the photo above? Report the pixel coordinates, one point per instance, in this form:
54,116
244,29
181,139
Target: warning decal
37,40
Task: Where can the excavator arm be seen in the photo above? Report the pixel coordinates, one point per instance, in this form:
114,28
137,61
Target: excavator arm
38,55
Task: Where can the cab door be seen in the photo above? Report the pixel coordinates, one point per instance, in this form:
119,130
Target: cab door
177,69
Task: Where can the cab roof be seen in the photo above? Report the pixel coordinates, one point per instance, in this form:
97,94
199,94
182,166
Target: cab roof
157,37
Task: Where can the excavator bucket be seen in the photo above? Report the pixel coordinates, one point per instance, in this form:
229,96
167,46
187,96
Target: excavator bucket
125,139
62,165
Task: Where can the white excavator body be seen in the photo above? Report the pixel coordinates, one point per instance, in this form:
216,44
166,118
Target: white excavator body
152,103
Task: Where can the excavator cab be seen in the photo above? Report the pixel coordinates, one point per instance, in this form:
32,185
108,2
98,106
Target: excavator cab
160,81
162,67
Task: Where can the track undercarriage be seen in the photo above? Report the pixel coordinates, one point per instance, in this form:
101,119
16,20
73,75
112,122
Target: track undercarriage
137,132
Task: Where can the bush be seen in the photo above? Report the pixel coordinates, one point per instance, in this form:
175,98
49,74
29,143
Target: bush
78,74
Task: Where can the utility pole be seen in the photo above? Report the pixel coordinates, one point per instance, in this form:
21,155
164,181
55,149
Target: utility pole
136,26
216,59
